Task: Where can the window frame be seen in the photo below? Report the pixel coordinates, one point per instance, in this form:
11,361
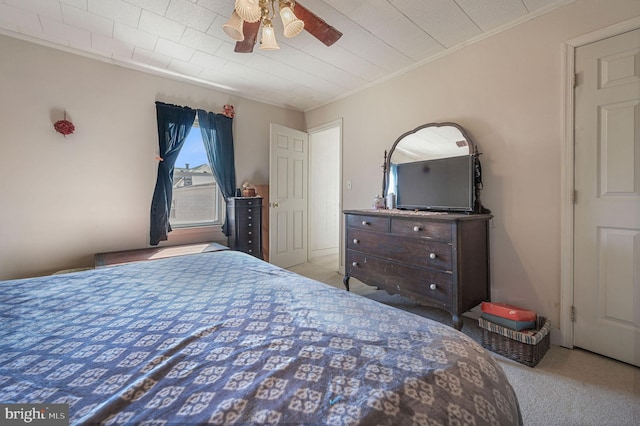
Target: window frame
219,202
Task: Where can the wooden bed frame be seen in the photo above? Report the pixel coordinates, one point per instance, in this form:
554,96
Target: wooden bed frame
120,257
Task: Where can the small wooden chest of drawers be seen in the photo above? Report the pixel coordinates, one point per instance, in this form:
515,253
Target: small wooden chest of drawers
244,222
436,259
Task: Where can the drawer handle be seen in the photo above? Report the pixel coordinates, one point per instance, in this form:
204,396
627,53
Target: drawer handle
250,232
433,286
365,223
250,224
250,241
356,241
249,217
416,229
354,264
249,210
432,255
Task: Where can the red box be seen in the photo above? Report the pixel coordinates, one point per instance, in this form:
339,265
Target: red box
511,312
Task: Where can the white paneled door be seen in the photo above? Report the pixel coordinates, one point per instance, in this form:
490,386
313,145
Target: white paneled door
288,214
607,208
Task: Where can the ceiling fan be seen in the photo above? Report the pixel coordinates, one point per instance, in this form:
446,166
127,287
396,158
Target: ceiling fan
248,15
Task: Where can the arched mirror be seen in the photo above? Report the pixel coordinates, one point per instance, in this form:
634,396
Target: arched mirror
447,154
429,142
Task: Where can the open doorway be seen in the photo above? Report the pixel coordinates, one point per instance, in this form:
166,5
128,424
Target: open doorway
325,147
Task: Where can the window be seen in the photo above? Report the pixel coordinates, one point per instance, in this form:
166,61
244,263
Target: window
197,200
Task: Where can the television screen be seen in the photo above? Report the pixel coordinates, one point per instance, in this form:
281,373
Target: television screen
445,184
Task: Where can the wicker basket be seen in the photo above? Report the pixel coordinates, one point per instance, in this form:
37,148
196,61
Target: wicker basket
522,347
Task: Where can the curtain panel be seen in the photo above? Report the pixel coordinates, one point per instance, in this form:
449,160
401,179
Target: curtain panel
217,136
174,124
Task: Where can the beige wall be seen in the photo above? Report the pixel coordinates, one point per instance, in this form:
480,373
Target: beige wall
64,199
506,91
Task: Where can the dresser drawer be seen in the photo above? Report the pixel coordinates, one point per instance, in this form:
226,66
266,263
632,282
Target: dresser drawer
247,202
426,285
251,246
420,252
247,234
440,231
249,212
247,222
370,223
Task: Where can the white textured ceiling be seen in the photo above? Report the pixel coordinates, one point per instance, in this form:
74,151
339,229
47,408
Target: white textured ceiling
184,39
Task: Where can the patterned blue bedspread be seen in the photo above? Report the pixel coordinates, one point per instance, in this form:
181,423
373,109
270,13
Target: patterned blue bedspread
225,338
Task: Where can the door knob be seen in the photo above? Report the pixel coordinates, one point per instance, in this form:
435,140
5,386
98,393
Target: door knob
274,204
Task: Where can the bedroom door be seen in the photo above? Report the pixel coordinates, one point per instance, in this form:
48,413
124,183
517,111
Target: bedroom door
607,207
288,209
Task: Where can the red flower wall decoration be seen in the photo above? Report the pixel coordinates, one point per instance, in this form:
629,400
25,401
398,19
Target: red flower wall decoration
65,127
227,111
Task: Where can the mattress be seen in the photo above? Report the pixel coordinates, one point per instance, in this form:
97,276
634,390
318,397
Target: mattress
225,338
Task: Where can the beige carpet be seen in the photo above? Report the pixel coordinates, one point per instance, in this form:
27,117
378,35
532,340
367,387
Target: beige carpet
567,388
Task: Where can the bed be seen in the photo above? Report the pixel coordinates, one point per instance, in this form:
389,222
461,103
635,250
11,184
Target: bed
225,338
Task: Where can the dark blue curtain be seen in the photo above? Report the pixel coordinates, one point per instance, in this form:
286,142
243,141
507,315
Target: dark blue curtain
392,185
174,124
217,136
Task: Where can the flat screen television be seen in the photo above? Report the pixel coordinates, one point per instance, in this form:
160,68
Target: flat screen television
445,184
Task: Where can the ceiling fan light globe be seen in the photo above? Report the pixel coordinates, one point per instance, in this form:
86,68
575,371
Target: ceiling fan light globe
233,28
248,10
268,40
292,25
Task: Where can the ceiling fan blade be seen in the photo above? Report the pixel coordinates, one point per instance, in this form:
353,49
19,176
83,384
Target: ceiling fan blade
250,30
315,26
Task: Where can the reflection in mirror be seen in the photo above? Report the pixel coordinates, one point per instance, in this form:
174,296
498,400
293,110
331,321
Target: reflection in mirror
430,142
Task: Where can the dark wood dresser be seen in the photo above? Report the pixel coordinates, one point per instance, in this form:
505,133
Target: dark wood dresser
244,219
436,259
